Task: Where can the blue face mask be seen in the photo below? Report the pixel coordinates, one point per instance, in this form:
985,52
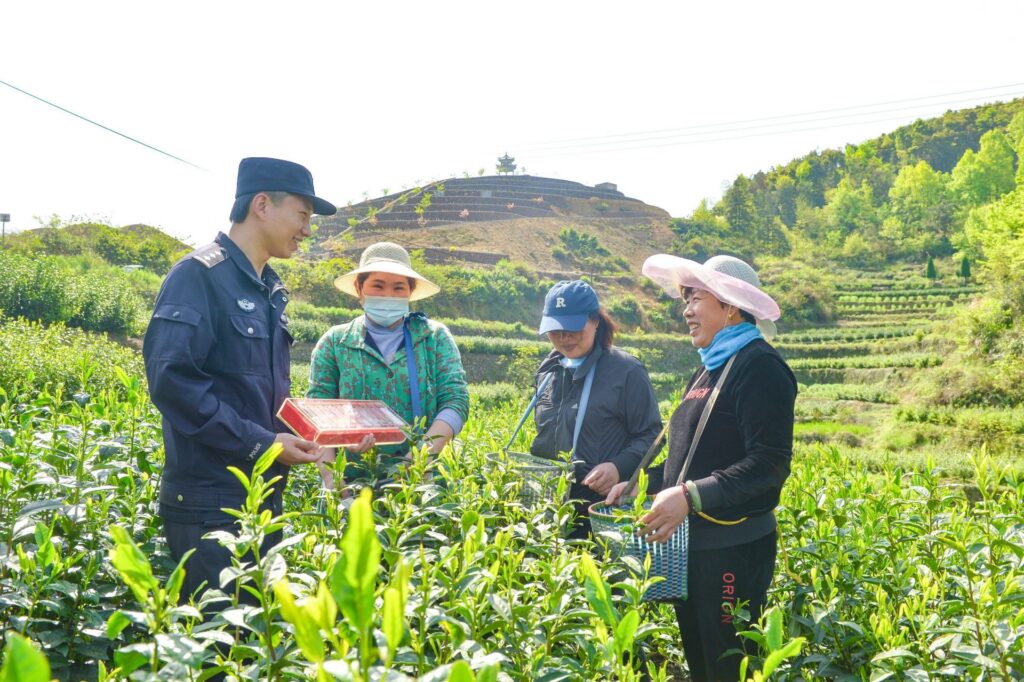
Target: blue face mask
385,310
571,363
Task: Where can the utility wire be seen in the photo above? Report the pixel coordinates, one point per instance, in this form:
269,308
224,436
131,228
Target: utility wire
767,133
536,146
613,145
100,125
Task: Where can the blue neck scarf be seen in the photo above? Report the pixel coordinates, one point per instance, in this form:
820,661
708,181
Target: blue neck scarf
727,343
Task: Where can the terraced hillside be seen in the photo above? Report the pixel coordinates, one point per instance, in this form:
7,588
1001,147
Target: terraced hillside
857,377
478,221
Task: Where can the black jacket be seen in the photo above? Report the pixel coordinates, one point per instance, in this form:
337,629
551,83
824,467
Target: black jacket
743,456
217,362
622,417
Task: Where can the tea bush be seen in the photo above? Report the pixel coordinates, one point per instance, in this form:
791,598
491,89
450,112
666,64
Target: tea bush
46,289
35,355
888,573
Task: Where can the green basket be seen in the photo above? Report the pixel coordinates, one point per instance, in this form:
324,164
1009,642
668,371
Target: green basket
668,560
540,477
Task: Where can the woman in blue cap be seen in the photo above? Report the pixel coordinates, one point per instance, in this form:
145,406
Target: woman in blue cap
595,400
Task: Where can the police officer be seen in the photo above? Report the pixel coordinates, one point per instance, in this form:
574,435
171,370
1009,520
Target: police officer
217,362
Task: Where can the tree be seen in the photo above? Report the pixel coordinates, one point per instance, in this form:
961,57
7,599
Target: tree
850,210
965,268
704,233
982,177
785,199
1015,129
929,270
737,206
921,210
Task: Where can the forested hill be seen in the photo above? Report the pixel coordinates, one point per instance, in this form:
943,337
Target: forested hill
904,195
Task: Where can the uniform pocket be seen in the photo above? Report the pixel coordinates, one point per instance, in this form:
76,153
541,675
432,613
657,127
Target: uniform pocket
249,346
250,327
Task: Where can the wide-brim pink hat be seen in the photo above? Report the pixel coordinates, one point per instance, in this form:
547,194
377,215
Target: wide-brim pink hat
727,278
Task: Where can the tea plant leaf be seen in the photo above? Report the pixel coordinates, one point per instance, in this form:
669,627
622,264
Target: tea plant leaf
23,662
117,622
353,580
626,631
393,622
132,564
775,658
598,592
307,632
773,629
461,672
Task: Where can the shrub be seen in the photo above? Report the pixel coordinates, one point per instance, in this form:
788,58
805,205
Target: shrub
36,355
50,291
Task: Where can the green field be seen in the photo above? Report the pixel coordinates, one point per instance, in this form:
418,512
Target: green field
895,562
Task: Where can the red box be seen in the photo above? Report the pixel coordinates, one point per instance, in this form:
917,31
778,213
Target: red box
341,423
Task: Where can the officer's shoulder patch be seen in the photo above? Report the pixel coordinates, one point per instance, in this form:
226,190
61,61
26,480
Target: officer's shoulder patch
210,255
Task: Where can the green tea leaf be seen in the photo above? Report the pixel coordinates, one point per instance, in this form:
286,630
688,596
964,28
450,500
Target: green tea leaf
354,578
132,564
626,631
393,622
23,662
117,622
307,632
461,672
598,592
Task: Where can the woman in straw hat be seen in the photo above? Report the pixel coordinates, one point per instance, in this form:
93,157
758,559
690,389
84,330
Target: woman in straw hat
733,479
609,428
368,358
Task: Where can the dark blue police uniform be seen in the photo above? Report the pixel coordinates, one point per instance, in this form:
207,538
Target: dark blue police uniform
217,361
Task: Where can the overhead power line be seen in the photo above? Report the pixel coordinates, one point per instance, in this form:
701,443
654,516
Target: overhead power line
704,138
100,125
727,138
763,122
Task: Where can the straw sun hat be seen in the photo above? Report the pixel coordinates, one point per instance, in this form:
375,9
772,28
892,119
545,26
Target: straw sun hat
391,258
728,279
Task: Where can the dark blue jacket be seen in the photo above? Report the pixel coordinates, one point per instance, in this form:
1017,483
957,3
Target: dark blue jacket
217,362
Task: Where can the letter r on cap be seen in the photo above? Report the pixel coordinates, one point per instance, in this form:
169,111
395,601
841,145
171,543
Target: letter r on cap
559,302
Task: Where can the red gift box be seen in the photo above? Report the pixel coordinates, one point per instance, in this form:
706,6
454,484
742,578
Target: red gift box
342,423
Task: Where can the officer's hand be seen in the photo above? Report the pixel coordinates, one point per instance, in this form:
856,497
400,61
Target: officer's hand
295,450
601,478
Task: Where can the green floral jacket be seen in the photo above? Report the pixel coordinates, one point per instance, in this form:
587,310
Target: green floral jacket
343,366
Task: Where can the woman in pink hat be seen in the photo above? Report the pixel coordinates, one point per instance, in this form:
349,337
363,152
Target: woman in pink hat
726,465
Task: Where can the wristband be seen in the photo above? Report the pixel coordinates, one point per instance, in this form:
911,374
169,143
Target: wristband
689,502
694,496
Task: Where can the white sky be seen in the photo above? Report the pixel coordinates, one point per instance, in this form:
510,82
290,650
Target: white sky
375,95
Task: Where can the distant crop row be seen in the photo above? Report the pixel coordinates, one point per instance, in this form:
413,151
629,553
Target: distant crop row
984,420
868,393
900,298
835,334
869,361
825,349
845,309
890,317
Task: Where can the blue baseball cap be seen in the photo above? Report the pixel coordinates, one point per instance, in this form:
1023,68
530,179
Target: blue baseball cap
568,306
260,174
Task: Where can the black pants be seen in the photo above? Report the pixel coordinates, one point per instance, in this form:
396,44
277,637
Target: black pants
210,557
582,497
718,579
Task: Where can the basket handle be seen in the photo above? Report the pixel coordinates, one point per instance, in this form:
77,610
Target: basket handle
529,408
693,444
